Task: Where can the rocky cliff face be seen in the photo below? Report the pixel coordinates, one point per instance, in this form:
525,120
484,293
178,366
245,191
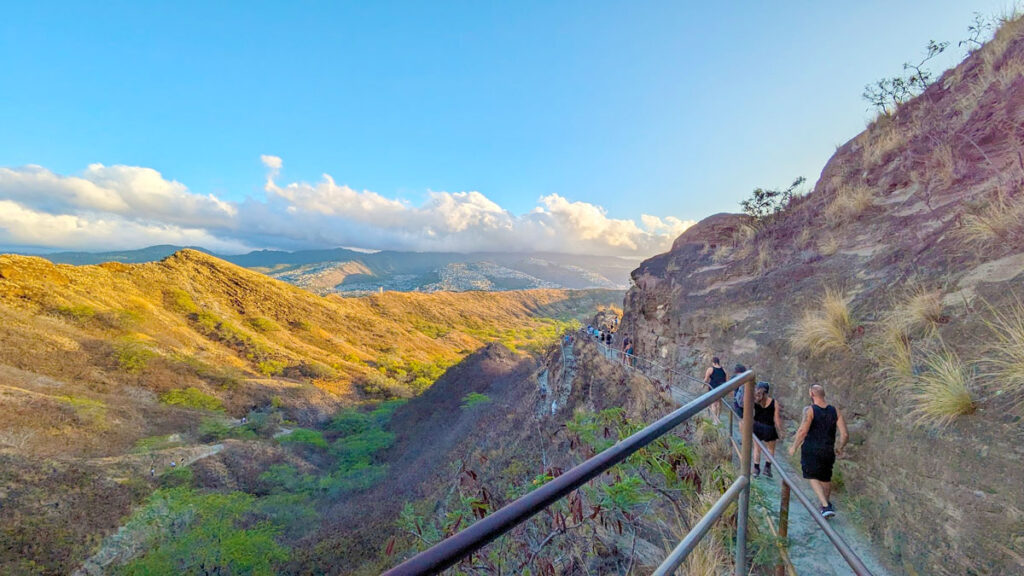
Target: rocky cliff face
917,225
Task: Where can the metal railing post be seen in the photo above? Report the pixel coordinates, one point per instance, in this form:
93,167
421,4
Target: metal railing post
743,506
780,570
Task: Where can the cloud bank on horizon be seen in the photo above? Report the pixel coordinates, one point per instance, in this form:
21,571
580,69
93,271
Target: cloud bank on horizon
125,207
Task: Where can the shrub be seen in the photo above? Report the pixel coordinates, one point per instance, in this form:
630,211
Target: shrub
213,430
360,448
261,324
888,94
207,533
764,204
285,478
78,313
133,356
120,319
304,436
473,399
350,421
825,328
192,398
941,391
315,370
271,367
378,385
181,302
179,476
262,424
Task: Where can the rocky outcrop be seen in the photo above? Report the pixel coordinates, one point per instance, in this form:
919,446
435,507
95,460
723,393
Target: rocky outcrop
895,213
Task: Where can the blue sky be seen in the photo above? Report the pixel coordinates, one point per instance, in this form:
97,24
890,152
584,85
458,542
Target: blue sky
669,109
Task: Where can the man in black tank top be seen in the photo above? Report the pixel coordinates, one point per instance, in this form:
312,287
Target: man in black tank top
816,439
715,377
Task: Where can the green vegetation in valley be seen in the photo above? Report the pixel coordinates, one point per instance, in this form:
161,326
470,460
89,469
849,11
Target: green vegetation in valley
189,530
649,496
474,399
192,398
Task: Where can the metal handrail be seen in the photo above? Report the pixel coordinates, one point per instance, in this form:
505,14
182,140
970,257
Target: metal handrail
454,548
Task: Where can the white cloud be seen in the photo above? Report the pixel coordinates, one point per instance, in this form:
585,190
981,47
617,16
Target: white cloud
123,190
26,227
126,206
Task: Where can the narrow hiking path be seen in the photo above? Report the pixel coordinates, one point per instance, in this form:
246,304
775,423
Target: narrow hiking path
810,550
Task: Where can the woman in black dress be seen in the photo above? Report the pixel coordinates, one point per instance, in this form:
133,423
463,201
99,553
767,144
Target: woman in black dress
715,377
767,423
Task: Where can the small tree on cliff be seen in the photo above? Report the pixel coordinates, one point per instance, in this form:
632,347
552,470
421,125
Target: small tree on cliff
765,203
887,94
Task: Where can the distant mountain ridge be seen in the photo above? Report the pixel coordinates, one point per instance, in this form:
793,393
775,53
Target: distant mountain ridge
353,272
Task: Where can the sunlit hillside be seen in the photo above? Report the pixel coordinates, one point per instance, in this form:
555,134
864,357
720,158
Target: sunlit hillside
110,372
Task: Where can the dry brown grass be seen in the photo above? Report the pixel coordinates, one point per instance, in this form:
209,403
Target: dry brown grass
711,557
920,311
894,354
994,51
1001,220
829,245
763,261
944,170
847,204
942,391
1005,357
884,138
824,328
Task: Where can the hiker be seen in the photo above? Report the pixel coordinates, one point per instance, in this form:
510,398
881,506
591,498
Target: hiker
715,377
767,423
816,438
737,396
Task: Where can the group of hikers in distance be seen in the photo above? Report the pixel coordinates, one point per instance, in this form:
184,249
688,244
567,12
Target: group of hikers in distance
607,338
816,436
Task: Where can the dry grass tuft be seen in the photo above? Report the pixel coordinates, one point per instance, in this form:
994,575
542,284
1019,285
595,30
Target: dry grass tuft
922,310
941,392
886,138
1006,357
847,204
711,555
895,355
945,164
1002,220
829,245
764,259
825,328
993,52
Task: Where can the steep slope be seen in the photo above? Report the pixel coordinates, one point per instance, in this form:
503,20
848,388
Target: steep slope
107,371
896,283
442,445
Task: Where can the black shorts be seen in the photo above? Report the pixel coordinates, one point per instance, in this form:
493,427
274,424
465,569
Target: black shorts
817,464
765,433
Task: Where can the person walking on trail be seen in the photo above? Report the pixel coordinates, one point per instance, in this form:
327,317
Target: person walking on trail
816,439
715,377
767,423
